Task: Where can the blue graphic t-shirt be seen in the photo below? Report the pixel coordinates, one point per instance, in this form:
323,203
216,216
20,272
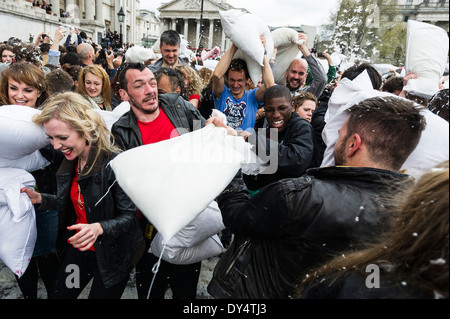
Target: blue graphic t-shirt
241,114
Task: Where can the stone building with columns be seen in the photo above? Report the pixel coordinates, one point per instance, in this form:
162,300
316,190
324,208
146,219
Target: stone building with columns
20,18
185,16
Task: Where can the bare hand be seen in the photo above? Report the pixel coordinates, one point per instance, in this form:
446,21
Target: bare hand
86,235
59,35
218,121
35,197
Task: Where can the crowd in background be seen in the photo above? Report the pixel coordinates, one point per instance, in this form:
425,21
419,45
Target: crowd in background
286,221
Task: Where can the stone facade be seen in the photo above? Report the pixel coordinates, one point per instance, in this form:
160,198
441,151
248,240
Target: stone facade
184,16
431,11
19,18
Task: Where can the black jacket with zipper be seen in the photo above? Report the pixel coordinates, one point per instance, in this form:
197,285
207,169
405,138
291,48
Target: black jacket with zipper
183,115
293,225
295,147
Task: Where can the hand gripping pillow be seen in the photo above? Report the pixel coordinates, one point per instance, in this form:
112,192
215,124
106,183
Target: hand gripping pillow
20,138
173,181
287,42
244,30
17,220
426,56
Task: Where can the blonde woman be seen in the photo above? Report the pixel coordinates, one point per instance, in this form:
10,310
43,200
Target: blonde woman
98,227
193,84
94,84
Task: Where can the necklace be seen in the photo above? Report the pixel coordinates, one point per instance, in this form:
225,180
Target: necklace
80,201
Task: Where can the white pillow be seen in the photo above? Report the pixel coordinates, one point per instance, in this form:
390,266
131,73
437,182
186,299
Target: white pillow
287,42
194,242
139,54
244,30
426,56
187,255
173,181
111,117
21,139
19,136
17,220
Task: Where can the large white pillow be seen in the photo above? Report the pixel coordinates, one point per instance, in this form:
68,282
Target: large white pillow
244,30
111,117
19,136
173,181
17,220
426,56
433,147
21,139
287,42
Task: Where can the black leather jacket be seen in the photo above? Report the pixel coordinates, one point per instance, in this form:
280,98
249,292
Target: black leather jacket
183,115
106,203
293,225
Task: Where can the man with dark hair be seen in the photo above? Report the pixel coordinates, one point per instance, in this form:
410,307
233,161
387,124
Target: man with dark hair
354,71
358,82
296,224
288,137
169,81
152,119
230,79
393,85
169,47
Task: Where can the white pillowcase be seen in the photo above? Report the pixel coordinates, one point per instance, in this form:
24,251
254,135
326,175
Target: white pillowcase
173,181
21,139
244,30
287,42
426,56
17,220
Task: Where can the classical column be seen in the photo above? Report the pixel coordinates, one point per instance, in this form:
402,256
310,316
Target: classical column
222,46
211,33
55,7
174,24
197,34
73,9
186,28
99,11
89,9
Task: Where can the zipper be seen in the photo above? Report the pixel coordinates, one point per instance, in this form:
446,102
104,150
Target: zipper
243,247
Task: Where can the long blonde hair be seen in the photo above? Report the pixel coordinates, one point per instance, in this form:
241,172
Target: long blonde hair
96,70
75,110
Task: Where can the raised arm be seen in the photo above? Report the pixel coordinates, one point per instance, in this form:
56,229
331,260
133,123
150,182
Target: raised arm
218,77
267,75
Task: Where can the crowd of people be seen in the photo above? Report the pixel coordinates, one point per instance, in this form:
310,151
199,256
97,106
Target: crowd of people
287,230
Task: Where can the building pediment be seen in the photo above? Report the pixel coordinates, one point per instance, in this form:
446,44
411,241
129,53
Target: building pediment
194,6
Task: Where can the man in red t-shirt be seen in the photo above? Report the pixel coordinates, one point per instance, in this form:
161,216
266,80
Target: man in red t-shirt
151,119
